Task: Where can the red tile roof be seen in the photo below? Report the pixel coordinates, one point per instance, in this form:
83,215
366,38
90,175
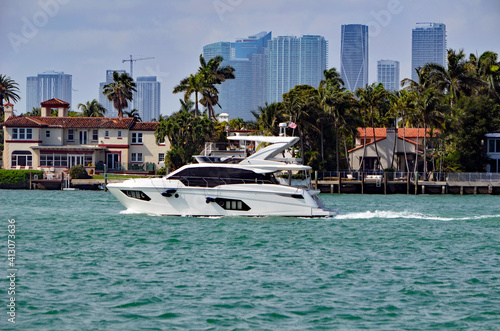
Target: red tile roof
54,102
80,123
144,126
381,133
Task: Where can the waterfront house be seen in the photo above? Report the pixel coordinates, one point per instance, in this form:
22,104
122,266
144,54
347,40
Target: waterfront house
55,144
493,152
392,144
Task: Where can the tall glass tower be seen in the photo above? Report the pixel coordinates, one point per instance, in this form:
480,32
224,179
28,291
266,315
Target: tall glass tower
388,74
222,48
239,96
147,98
428,45
47,85
293,61
354,56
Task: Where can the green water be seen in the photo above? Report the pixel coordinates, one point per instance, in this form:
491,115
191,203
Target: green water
385,263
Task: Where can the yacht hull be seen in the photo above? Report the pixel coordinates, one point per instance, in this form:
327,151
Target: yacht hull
160,196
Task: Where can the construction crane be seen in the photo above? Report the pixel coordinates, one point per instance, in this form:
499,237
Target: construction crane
131,60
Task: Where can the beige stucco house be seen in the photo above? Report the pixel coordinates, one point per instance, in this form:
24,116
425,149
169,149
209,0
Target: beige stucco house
58,143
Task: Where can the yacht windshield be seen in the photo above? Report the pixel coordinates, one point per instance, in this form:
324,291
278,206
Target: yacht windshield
215,176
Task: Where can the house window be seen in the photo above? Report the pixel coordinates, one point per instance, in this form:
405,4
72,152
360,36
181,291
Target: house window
47,134
161,157
95,135
106,134
494,146
22,134
53,160
119,134
136,137
136,157
21,158
71,135
83,137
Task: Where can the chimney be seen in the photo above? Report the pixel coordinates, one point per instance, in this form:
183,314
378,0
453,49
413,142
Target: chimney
392,134
45,112
8,111
62,112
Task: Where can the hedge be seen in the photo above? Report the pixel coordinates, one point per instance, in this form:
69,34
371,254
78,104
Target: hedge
17,178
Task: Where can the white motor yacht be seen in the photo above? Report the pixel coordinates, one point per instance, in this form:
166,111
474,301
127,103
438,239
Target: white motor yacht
252,187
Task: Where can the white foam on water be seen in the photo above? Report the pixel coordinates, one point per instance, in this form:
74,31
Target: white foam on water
387,214
130,211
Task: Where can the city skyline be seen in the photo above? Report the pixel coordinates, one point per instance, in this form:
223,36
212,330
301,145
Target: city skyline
85,39
47,85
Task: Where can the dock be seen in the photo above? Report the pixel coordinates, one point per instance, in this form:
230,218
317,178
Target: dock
388,183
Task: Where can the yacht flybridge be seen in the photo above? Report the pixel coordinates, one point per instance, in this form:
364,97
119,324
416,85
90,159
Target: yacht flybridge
261,184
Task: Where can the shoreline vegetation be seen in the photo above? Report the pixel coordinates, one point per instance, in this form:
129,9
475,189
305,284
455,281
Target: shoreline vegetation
458,104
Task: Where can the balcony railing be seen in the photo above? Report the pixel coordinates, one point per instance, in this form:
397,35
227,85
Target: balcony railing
130,166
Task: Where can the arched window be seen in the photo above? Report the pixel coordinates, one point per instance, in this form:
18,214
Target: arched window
21,158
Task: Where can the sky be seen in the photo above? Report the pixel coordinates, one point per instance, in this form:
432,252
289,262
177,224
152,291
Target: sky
86,38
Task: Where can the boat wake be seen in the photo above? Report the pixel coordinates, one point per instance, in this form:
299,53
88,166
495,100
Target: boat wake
387,214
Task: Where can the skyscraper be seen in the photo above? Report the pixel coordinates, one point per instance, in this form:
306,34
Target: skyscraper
267,68
428,45
239,96
222,48
103,100
354,56
47,85
293,61
283,56
388,74
147,98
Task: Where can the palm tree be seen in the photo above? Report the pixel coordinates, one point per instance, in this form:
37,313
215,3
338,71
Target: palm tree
213,74
487,68
337,102
36,111
8,91
120,91
268,118
134,113
193,84
299,103
431,114
186,105
418,86
332,78
402,105
92,109
370,100
454,80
